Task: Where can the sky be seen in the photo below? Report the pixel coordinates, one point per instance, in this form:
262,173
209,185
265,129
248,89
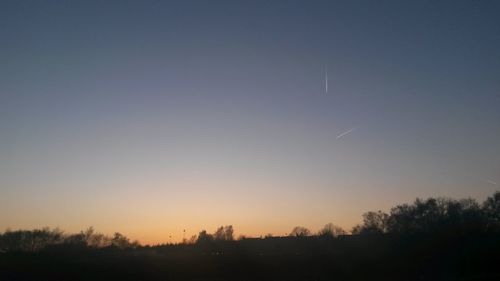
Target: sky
154,117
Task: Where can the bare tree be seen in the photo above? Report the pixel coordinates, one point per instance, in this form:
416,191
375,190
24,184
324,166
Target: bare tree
224,233
204,237
300,231
331,230
120,241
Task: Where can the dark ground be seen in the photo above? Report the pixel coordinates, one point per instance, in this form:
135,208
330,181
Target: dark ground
357,257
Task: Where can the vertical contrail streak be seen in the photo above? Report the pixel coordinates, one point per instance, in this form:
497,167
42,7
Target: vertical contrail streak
326,79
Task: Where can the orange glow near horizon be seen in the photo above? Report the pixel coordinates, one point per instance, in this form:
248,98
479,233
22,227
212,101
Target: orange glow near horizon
155,216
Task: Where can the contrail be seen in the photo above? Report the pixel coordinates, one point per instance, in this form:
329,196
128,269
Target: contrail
489,181
345,133
326,79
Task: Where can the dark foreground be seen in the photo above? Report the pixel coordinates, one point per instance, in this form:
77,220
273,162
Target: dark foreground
368,257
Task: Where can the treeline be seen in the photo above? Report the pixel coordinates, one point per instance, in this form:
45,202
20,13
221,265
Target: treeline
433,216
38,239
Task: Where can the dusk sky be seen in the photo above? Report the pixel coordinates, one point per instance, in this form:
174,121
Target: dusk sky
150,117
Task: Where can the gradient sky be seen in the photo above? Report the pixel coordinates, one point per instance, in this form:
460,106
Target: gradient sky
150,117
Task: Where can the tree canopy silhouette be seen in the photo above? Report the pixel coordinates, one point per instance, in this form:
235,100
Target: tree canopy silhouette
300,231
435,215
331,230
223,233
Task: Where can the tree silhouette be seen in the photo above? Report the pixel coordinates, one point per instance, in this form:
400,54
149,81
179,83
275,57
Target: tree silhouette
491,210
204,237
120,241
373,223
436,215
34,240
300,231
331,230
224,233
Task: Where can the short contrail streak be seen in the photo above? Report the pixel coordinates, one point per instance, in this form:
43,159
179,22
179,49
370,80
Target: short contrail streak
489,181
345,133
